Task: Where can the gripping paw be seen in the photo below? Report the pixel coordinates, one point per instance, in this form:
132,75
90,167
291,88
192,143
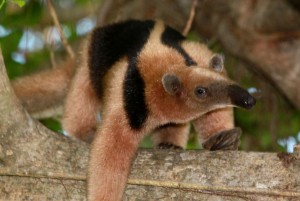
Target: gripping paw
225,140
165,145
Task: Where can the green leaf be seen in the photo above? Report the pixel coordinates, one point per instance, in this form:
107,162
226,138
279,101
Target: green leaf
2,3
20,3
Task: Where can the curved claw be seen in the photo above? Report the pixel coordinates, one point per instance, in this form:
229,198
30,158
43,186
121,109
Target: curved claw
225,140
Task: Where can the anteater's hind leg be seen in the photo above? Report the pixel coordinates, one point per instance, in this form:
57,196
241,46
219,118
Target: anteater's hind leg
81,107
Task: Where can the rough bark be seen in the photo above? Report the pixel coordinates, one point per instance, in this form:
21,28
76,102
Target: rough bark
36,164
170,175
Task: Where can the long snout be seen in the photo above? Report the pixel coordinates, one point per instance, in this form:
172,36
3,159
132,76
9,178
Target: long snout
240,97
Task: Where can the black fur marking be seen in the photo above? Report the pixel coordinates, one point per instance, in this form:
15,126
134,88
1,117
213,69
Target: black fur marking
108,45
134,94
172,38
111,43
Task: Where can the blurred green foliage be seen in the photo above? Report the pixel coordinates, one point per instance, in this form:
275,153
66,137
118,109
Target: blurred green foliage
20,3
272,118
16,21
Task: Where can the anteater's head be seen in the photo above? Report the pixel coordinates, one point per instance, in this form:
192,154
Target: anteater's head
190,92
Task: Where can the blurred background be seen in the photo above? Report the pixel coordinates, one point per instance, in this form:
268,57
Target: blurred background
259,38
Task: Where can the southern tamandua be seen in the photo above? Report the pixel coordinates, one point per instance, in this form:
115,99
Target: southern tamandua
141,75
215,129
144,76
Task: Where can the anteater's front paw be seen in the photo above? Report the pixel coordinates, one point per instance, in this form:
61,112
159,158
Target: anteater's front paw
166,145
225,140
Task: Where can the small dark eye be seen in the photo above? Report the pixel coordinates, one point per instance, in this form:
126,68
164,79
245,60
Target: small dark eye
201,92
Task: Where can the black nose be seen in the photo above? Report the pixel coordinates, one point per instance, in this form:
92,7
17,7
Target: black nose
240,97
249,102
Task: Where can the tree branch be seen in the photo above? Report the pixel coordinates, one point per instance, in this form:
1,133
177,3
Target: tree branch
191,18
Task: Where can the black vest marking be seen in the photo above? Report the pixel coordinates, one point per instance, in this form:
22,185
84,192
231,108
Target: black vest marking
108,45
134,94
172,38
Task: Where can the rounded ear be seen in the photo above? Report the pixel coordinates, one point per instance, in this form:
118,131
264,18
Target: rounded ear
217,62
171,84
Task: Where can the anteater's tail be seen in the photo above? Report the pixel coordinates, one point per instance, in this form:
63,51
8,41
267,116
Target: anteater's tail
45,90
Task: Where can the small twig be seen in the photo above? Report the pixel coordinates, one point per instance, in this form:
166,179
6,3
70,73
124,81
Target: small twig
191,18
52,56
58,26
